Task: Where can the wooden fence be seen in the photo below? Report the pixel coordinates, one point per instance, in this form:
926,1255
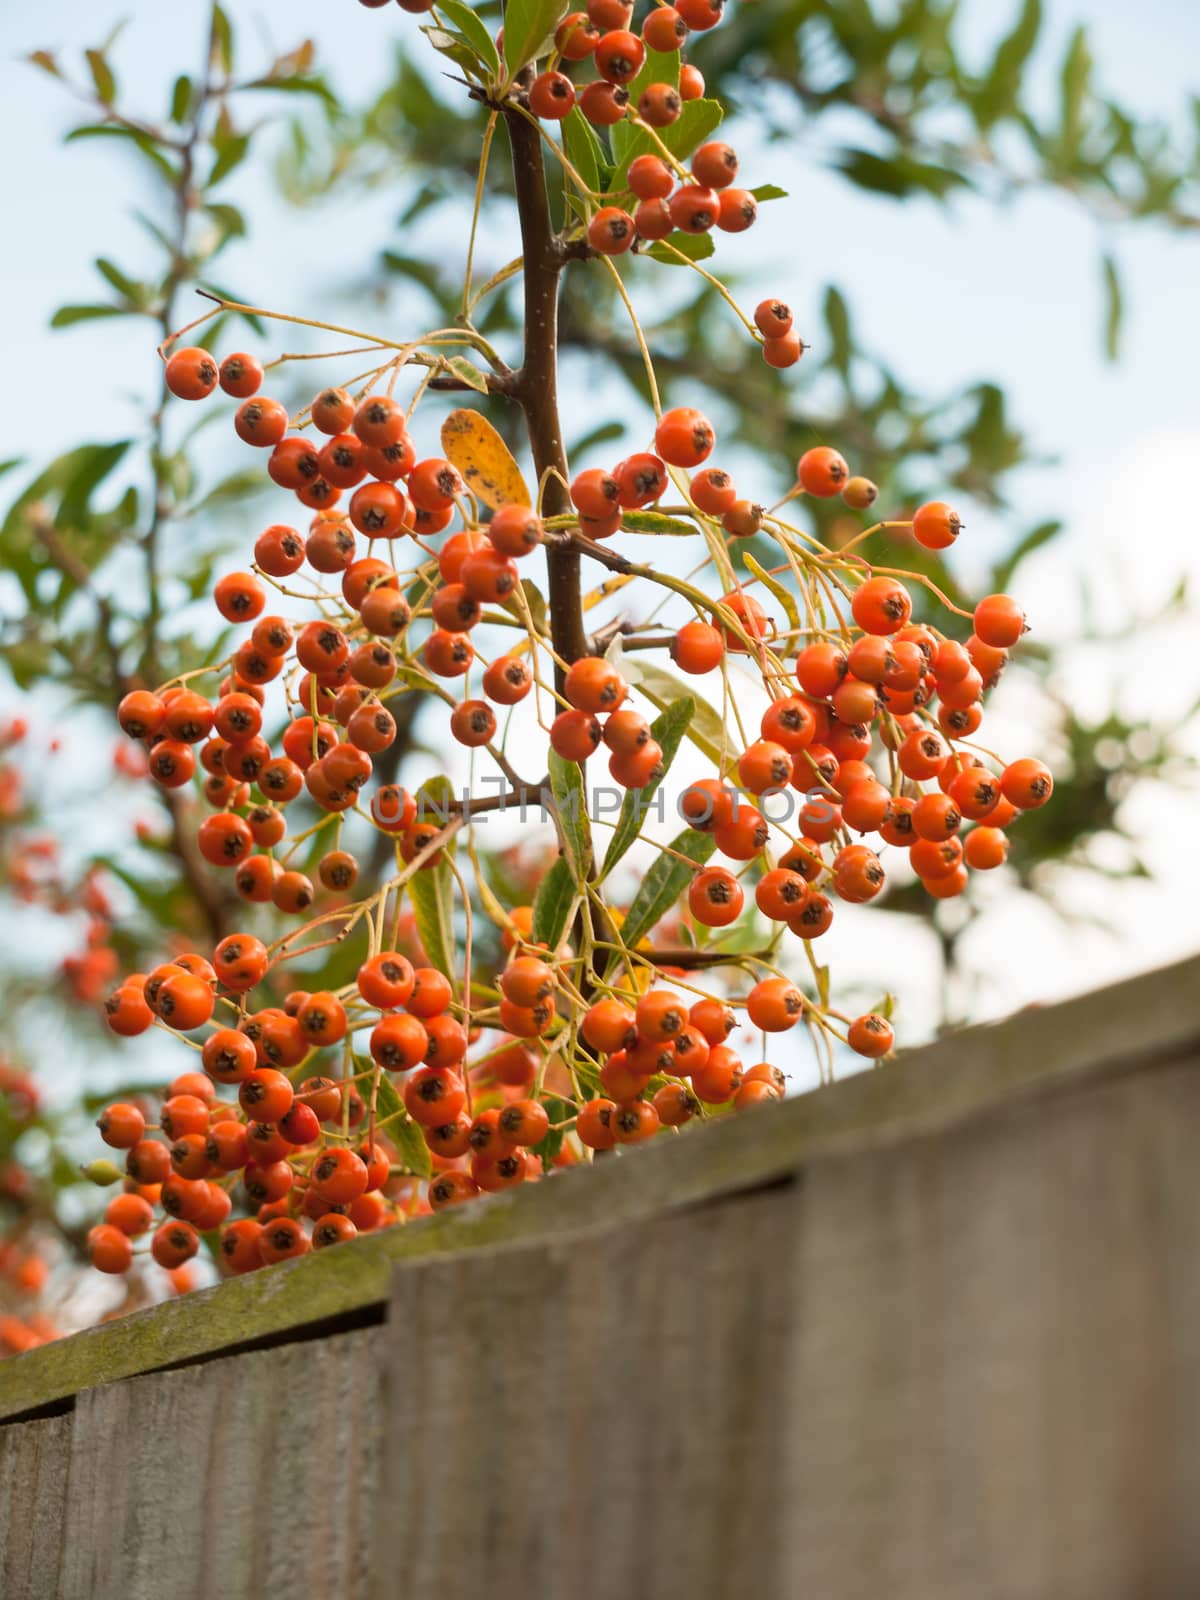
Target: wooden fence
931,1333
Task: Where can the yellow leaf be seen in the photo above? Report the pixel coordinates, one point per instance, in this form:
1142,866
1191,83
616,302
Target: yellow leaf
484,460
609,586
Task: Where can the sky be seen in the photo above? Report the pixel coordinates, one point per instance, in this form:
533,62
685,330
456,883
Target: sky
1011,292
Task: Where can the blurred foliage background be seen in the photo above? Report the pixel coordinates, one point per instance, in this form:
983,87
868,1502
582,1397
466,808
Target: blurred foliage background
108,546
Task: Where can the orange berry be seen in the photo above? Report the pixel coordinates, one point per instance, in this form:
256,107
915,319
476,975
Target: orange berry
697,648
608,1026
282,1239
857,874
524,1122
985,848
765,767
191,374
691,81
1026,784
780,894
660,104
775,1004
935,525
684,437
551,96
822,472
870,1035
108,1247
881,605
634,1123
715,897
936,817
999,621
675,1104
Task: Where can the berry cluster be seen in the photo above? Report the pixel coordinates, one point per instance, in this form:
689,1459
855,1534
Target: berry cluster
476,1064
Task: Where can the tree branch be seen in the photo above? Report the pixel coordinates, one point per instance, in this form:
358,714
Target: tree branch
535,386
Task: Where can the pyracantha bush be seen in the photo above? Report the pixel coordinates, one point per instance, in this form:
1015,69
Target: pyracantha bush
482,1043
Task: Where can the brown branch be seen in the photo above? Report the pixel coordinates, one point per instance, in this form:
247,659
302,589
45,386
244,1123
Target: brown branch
689,959
535,386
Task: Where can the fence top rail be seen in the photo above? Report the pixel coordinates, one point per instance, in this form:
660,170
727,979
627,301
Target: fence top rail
1133,1026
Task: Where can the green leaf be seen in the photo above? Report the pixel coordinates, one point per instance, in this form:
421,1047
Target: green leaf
138,294
221,40
692,246
837,320
89,466
230,150
228,218
435,797
102,76
431,889
71,477
548,1148
605,433
822,976
149,147
45,60
771,582
431,893
426,273
552,905
454,47
67,316
658,67
181,99
469,23
657,522
695,123
897,175
570,802
769,191
535,600
667,729
404,1133
1114,308
664,883
663,689
527,26
584,150
998,94
297,83
1074,82
237,486
468,373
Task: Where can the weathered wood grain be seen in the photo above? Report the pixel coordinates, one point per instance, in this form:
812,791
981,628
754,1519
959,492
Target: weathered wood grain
249,1476
597,1417
965,1366
34,1463
1128,1028
995,1378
